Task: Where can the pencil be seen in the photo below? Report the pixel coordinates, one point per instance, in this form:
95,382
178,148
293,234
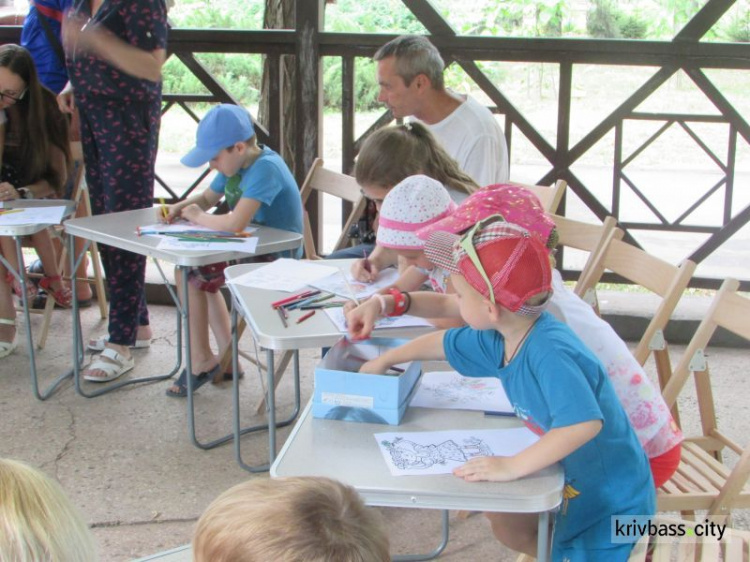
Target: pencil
164,211
281,315
349,287
305,316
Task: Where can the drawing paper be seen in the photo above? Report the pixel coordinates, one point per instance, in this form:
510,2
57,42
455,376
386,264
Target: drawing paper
337,317
284,274
335,283
452,391
33,215
439,452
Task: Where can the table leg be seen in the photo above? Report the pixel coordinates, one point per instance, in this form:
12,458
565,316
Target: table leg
445,524
543,542
104,388
270,399
21,277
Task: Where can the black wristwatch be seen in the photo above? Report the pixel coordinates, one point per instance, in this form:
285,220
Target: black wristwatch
25,193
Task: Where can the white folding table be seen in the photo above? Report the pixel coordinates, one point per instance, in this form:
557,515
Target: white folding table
17,232
255,307
119,230
348,452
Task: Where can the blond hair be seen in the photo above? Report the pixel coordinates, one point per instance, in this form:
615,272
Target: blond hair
38,523
392,154
308,519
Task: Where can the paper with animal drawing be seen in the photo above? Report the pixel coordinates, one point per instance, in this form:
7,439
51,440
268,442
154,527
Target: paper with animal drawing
335,283
32,215
284,275
452,391
439,452
406,321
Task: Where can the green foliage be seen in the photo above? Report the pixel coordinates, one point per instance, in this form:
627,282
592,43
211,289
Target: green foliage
738,29
632,26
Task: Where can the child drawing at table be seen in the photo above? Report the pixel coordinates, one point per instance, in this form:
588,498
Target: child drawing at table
502,277
648,413
257,186
388,156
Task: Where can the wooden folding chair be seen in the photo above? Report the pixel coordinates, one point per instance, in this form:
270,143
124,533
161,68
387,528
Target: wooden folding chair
549,196
702,481
588,237
344,187
80,195
658,276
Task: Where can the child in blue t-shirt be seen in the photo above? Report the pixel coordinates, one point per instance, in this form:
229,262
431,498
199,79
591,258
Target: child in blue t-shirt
502,277
257,186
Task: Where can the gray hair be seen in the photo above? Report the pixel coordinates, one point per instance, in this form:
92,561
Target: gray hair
414,55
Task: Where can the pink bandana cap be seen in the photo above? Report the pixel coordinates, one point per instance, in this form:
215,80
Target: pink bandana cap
413,204
514,203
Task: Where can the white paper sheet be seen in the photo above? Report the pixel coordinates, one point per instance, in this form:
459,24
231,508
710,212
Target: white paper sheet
284,275
32,215
247,245
451,391
335,284
337,317
439,452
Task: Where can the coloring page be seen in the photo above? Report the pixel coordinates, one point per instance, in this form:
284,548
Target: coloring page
337,317
439,452
11,216
247,245
343,284
450,390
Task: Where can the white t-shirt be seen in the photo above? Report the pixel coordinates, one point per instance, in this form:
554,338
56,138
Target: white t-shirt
472,136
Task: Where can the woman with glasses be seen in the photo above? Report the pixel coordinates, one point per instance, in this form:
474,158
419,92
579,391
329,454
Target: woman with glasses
115,50
35,154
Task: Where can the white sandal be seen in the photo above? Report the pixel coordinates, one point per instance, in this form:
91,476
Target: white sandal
100,343
7,347
116,367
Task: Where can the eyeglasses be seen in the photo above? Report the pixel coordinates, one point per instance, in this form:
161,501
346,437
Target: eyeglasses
467,245
12,96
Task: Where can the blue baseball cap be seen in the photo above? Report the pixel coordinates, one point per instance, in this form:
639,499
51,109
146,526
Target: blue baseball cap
220,128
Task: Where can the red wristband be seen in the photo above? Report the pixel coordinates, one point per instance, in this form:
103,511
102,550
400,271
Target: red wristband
399,302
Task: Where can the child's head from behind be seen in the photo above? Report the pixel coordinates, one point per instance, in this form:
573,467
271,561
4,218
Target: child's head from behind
37,521
416,202
495,262
306,519
222,139
391,154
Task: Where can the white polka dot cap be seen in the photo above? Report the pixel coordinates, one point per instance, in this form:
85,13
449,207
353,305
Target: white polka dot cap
412,204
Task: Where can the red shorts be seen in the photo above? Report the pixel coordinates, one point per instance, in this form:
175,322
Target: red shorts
665,465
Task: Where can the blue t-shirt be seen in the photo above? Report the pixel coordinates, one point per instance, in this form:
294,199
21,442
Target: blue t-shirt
269,181
555,381
51,70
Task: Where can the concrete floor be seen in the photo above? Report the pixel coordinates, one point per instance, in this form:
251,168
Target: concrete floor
126,461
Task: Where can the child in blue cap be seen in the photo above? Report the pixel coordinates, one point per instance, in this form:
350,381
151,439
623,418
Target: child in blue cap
257,186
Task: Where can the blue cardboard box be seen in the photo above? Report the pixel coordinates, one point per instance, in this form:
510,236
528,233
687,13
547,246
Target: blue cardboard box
341,392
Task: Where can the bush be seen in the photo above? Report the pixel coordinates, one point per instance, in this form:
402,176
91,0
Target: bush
632,26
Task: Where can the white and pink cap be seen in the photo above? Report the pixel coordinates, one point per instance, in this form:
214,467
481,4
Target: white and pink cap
413,204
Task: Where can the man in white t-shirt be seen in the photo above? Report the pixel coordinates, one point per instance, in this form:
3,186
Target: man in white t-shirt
410,75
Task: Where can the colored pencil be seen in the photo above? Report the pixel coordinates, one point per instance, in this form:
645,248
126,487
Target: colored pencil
281,315
305,316
302,295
